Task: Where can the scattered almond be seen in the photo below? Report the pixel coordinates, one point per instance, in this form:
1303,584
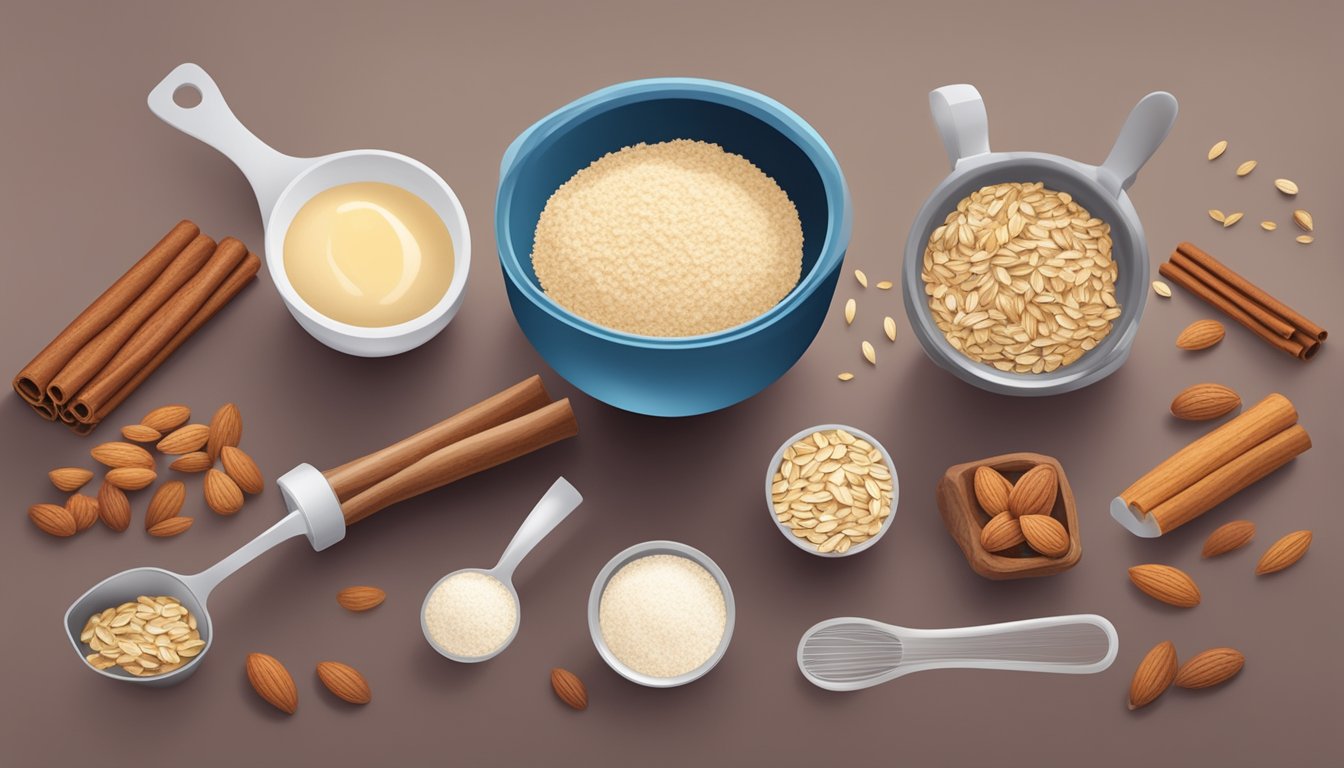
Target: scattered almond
114,509
1227,537
1268,226
1217,150
1217,215
239,466
1284,553
851,307
569,688
1034,492
53,519
861,277
69,479
1209,668
1045,534
1305,239
869,353
118,455
884,285
272,682
196,461
889,327
1162,289
170,527
991,490
166,503
1167,584
1003,531
1154,676
222,494
226,428
1286,186
1200,334
1303,220
1232,218
845,376
185,439
139,433
344,681
1201,402
1245,168
165,419
84,509
360,598
130,478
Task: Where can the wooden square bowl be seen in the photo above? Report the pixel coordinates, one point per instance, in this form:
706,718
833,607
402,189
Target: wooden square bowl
964,519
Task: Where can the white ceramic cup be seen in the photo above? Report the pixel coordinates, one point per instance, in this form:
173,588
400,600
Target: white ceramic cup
283,184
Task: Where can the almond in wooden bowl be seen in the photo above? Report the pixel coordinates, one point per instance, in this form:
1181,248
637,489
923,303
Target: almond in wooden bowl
965,519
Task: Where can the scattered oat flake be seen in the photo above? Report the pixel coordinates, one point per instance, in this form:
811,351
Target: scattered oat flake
1268,226
869,353
1217,150
1303,220
1246,167
1305,239
862,278
1162,289
1286,186
1217,215
1232,218
851,307
845,376
889,325
885,285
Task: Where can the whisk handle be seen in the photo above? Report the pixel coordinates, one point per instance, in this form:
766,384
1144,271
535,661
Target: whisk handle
1078,644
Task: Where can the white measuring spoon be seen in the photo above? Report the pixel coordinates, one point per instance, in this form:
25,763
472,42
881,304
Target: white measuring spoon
283,184
553,508
849,653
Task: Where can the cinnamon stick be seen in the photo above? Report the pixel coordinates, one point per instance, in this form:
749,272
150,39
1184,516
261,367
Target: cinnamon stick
243,274
1266,318
88,361
32,381
157,331
1197,460
1187,281
1253,291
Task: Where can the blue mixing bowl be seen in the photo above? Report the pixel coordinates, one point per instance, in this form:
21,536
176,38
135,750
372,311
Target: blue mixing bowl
687,375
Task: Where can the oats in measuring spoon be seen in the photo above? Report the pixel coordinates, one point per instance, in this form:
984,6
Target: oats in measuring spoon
832,489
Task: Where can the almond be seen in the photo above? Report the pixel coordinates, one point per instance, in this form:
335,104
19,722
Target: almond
1045,534
166,503
170,527
114,509
569,688
139,433
1209,668
272,682
1284,552
69,479
185,439
1162,582
166,418
120,454
226,428
53,519
1154,676
1034,492
242,469
130,478
1200,334
196,461
84,509
221,493
344,681
991,490
1002,532
1227,537
360,598
1201,402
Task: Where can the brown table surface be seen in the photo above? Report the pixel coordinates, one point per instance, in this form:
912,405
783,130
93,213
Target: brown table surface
91,178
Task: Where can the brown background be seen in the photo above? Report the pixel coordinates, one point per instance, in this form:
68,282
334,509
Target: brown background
91,178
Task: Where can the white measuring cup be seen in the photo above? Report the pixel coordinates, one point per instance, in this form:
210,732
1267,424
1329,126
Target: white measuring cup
283,184
554,507
849,653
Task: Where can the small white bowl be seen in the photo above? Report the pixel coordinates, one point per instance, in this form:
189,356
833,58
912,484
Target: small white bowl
804,544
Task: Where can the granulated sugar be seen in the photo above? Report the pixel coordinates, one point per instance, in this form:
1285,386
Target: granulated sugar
663,615
673,239
470,614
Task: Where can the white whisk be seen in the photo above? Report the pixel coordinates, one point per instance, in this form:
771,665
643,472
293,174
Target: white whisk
847,654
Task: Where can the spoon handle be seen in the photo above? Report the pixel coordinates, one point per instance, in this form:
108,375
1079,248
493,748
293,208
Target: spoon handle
553,508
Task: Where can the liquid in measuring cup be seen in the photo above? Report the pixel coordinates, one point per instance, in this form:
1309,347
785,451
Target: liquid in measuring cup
369,254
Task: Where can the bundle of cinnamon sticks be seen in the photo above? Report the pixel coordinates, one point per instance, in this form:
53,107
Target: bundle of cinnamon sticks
1220,464
1243,301
134,326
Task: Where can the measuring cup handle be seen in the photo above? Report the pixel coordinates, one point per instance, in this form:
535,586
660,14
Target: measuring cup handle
212,122
959,114
1143,132
1031,645
554,507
